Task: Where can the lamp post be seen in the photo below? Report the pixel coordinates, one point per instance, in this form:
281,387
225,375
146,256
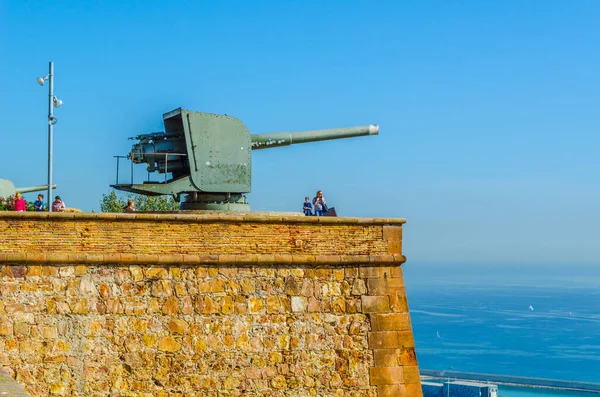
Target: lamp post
53,101
443,373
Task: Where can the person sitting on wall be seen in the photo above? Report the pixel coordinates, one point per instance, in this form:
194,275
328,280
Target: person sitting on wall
130,206
58,205
20,204
320,204
307,208
39,205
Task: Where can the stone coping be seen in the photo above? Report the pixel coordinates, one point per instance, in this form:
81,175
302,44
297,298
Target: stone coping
206,259
258,217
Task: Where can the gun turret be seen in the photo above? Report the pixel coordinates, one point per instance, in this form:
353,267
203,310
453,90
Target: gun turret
209,157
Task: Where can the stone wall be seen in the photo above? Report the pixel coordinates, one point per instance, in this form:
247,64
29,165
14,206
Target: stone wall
204,305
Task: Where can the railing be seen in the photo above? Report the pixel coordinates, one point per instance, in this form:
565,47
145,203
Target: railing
511,380
167,154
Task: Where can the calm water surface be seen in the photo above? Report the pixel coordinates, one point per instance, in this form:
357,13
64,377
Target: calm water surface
536,321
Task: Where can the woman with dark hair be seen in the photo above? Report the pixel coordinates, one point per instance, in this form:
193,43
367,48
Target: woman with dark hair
319,203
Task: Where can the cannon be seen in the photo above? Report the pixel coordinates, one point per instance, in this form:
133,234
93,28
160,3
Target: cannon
209,158
7,188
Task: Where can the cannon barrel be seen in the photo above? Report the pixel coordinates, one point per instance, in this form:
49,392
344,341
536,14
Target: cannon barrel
30,189
267,141
7,188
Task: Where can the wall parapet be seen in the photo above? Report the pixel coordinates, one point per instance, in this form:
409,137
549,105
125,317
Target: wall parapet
171,259
219,216
64,238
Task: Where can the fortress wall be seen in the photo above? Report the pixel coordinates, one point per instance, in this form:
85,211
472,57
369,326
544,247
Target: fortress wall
204,305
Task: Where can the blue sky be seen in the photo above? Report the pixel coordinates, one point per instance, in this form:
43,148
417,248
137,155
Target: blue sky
489,111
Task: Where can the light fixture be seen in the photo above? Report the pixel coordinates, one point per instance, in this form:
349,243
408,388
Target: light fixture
52,120
57,102
41,80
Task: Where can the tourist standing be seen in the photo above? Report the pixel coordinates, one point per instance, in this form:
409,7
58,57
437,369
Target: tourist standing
307,208
38,205
130,206
58,205
320,204
20,204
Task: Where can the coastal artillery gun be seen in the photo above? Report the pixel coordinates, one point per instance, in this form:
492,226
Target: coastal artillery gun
209,157
7,188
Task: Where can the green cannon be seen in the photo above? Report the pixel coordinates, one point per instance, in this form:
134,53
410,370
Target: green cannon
209,158
7,188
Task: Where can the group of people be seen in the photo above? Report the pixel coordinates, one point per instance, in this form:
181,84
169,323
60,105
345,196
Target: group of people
318,204
39,206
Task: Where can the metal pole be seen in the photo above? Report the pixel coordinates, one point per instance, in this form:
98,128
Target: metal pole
117,181
166,165
50,127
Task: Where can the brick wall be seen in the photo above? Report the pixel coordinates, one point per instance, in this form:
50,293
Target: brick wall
206,305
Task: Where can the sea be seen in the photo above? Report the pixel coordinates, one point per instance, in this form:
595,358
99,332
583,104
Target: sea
533,320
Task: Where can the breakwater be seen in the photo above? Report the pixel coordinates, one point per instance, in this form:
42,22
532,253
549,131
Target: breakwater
508,380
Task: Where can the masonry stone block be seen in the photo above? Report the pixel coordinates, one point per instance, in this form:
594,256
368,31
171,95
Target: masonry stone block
390,322
386,375
383,340
375,304
386,357
391,390
386,286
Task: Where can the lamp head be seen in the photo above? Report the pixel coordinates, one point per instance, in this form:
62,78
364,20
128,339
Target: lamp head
57,102
52,120
41,80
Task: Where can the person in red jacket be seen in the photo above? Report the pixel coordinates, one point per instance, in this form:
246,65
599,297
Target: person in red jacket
20,203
